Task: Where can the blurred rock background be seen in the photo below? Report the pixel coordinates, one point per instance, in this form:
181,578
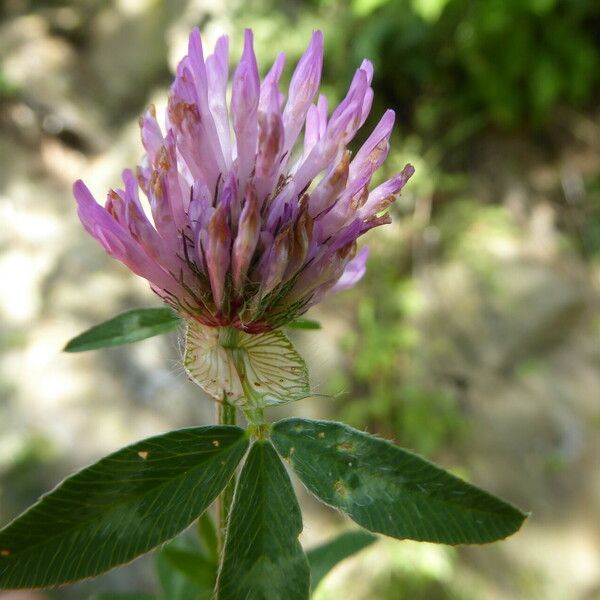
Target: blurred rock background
474,338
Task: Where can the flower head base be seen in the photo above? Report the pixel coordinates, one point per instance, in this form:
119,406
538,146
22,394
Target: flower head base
249,226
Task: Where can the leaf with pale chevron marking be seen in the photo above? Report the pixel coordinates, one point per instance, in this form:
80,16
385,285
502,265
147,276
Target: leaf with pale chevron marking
389,490
263,369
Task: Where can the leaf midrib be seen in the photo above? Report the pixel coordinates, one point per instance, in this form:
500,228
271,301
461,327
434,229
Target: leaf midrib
262,506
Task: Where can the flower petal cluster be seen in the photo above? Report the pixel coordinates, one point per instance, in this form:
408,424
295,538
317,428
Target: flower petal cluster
255,204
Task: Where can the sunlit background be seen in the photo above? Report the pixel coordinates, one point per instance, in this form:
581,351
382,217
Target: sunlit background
475,337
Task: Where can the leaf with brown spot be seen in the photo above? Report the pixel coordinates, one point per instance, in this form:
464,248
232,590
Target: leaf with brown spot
120,507
389,490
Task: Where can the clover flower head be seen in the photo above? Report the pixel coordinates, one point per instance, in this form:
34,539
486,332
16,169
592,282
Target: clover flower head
251,222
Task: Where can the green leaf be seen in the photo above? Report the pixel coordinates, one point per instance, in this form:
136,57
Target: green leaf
122,596
303,324
174,585
323,558
273,371
389,490
263,559
120,507
207,533
192,565
128,327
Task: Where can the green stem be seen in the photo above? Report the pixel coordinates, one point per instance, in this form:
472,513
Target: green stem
229,339
226,415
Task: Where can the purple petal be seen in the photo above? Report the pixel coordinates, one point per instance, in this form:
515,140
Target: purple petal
274,262
367,67
341,128
344,210
131,187
353,273
199,214
196,61
119,243
303,89
374,151
340,125
383,195
152,137
217,71
244,109
216,243
270,82
330,187
312,131
166,197
197,69
229,198
300,242
246,239
235,219
270,145
366,107
194,142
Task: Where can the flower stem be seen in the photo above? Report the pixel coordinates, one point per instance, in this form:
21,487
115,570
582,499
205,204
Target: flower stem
226,415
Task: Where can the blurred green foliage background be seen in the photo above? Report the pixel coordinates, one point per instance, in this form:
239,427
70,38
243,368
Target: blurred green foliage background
474,337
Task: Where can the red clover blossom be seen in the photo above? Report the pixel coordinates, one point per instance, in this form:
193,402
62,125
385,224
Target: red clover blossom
251,225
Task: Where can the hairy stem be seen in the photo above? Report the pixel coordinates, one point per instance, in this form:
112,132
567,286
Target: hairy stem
229,339
226,415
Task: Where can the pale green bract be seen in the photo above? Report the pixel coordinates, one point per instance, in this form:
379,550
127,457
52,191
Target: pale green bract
248,370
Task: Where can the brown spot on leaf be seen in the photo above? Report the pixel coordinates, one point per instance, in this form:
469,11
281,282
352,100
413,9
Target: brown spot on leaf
321,434
143,454
5,553
216,443
345,446
340,488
